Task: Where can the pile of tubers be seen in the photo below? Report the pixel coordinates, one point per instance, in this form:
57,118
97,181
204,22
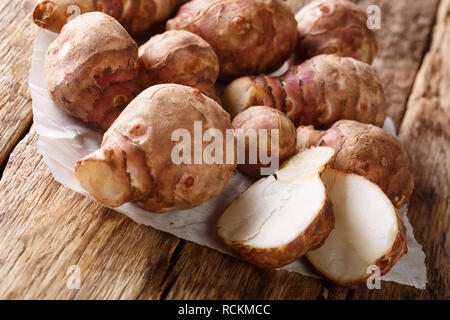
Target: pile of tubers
335,196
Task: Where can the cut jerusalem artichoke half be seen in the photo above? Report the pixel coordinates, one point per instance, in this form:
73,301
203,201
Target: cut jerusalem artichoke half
368,231
282,216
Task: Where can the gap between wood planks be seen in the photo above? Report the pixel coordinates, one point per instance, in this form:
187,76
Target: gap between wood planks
4,164
169,280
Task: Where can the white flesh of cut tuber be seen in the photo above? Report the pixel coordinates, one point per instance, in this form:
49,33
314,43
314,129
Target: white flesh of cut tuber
282,216
368,231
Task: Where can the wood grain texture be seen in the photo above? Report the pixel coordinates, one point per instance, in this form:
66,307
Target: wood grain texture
218,276
16,45
45,228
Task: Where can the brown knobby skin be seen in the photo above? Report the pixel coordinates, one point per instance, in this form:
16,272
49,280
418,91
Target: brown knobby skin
308,137
334,27
319,92
368,231
182,57
91,69
138,17
282,216
368,151
135,160
249,37
256,118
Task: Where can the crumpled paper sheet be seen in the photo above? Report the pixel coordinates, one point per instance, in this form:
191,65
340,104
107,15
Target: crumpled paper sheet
63,140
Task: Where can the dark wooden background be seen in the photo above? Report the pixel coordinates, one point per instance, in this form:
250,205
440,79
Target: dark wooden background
45,228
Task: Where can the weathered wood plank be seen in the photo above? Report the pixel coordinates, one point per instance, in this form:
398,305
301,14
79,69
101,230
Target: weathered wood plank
425,132
45,228
200,273
403,39
16,45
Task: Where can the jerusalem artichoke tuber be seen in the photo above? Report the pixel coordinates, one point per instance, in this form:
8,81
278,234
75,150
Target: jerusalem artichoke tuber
368,151
182,57
280,217
251,121
136,159
91,69
136,16
249,37
320,91
334,27
369,234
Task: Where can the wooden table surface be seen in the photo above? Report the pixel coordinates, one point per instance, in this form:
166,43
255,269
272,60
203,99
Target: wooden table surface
45,228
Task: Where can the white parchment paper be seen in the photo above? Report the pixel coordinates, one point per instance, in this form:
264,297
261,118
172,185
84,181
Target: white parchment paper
63,140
